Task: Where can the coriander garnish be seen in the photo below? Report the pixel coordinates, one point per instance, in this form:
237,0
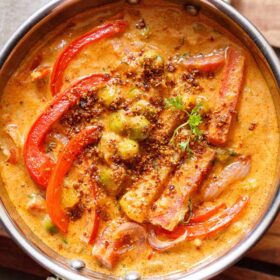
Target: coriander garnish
185,146
195,119
176,131
174,103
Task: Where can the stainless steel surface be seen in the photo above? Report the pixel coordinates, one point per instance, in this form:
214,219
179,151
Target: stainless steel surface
57,12
132,276
77,264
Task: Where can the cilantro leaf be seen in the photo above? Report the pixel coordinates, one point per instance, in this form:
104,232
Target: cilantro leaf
174,103
185,146
195,120
177,130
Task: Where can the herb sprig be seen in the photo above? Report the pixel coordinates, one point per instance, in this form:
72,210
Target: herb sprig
185,146
174,103
194,120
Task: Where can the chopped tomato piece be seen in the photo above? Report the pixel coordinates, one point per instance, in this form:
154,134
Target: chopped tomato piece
13,155
40,73
66,157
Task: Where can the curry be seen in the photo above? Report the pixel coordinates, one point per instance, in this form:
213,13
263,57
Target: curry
139,137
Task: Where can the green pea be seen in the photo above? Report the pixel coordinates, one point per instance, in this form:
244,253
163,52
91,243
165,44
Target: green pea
118,122
205,106
49,225
139,128
109,94
111,179
134,93
143,107
107,145
192,100
106,177
152,56
128,149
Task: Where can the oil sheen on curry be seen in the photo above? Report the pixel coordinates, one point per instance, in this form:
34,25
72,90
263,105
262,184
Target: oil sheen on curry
139,137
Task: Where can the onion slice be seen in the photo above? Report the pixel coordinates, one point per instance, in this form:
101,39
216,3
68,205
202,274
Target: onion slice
235,171
161,245
135,232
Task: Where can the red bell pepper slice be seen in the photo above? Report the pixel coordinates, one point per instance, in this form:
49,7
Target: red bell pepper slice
205,63
95,228
119,15
199,216
92,220
203,215
229,93
199,230
38,163
75,146
219,222
96,219
106,30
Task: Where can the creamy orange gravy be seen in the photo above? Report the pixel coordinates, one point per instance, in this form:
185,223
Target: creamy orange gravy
172,31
